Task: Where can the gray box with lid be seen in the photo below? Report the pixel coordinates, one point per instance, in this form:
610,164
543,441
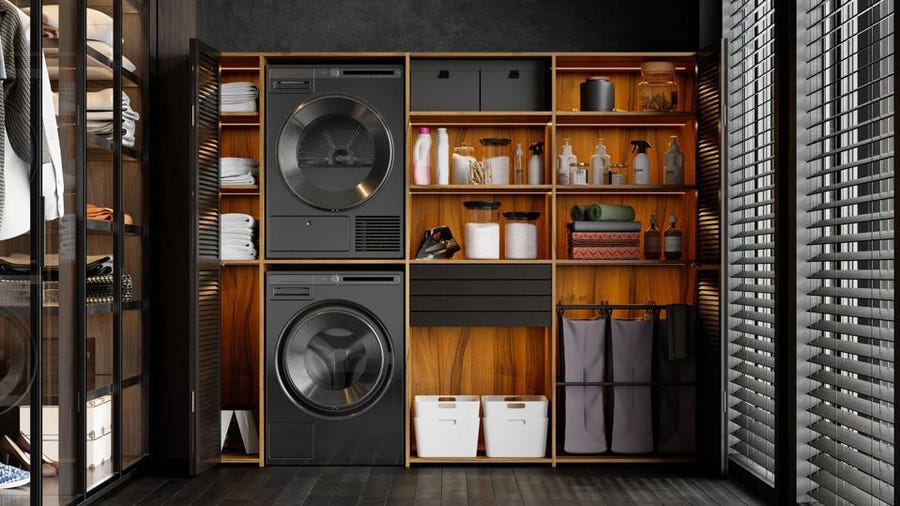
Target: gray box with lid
485,85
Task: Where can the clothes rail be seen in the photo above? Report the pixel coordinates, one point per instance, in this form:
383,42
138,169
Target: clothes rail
624,383
651,307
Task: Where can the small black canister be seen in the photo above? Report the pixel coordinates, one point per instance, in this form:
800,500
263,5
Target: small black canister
598,94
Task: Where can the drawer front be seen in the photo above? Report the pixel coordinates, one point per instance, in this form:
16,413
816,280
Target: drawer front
515,85
480,295
443,85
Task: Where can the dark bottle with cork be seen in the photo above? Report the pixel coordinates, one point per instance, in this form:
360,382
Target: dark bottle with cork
673,240
652,240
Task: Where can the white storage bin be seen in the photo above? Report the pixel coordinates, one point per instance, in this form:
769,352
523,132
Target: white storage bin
530,406
515,426
447,437
438,406
99,416
99,451
447,425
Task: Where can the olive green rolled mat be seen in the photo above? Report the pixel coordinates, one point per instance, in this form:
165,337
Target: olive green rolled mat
602,212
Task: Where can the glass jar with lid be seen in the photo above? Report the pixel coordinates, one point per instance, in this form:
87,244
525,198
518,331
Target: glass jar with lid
495,153
482,235
658,89
521,231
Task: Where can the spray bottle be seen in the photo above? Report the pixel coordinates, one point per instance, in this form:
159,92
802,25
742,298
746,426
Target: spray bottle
673,164
536,163
566,158
600,164
641,162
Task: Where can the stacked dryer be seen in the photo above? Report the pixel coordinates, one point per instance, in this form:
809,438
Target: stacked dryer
334,189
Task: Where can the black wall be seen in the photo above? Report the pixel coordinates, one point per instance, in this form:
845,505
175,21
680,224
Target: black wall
449,25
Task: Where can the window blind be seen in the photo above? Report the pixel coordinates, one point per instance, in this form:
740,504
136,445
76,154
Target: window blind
846,180
749,177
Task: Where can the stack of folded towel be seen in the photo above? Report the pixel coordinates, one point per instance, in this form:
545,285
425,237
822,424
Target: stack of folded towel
237,171
604,232
237,236
238,97
99,113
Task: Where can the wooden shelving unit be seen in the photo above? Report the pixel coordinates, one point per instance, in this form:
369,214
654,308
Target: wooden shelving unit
521,360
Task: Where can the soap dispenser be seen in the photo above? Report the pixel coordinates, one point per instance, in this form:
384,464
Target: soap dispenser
673,164
641,162
536,163
518,169
566,158
600,162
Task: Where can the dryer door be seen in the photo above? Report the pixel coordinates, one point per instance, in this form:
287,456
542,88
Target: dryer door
334,152
334,359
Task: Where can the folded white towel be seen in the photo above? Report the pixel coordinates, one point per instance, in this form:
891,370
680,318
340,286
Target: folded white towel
238,181
127,114
236,219
239,107
238,255
236,161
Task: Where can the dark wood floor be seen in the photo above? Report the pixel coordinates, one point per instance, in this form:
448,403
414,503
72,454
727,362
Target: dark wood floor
433,486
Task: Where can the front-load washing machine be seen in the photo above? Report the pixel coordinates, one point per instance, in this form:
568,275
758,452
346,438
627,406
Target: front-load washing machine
334,368
334,161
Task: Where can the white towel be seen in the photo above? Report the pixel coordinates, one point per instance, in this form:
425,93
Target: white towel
238,107
237,219
99,24
238,162
106,50
238,180
99,100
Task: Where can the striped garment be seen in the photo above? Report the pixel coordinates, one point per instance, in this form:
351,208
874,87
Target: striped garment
15,102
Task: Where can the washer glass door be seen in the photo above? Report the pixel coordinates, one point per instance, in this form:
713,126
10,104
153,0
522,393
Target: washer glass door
334,360
334,152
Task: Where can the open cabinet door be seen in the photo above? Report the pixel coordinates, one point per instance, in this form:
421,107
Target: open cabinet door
205,396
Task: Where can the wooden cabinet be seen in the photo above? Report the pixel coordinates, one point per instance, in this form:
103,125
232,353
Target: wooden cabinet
491,359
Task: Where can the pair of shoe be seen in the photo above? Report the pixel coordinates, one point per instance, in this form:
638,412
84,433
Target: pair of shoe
18,453
11,477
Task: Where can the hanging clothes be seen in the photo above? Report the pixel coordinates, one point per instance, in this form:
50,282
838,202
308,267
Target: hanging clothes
15,103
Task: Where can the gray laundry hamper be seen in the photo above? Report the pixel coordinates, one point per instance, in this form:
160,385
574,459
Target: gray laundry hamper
583,354
632,357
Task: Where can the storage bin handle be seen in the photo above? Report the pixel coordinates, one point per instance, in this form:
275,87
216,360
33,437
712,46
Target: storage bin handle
447,399
443,74
446,405
516,405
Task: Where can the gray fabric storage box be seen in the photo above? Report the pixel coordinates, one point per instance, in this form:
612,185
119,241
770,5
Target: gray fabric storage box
583,352
677,360
632,354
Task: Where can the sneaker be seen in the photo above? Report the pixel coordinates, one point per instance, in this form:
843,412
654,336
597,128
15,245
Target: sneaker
11,477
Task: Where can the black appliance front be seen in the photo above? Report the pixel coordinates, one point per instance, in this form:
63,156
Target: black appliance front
334,161
335,368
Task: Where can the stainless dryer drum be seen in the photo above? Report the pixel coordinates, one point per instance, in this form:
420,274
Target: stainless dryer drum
335,152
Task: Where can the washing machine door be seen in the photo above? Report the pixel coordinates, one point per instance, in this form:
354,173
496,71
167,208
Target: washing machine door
334,152
334,360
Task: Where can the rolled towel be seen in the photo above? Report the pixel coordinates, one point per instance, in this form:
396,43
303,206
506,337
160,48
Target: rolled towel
602,212
605,226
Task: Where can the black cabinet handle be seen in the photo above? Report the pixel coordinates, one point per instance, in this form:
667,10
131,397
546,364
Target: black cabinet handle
444,74
513,74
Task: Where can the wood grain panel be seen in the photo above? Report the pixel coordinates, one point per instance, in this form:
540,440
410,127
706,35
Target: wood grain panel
568,89
240,75
133,357
133,191
135,437
684,207
478,361
618,145
524,135
240,141
99,190
240,349
247,204
100,331
624,285
428,211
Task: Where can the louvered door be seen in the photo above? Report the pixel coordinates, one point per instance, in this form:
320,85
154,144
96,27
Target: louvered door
205,397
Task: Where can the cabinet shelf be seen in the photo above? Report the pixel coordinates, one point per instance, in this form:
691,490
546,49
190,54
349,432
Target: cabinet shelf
104,66
656,189
243,189
626,263
624,119
501,261
239,119
234,457
469,188
106,227
481,459
25,311
101,147
495,118
623,459
226,263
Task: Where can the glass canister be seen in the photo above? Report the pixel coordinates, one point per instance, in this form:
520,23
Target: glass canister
495,153
521,233
482,235
658,90
578,173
